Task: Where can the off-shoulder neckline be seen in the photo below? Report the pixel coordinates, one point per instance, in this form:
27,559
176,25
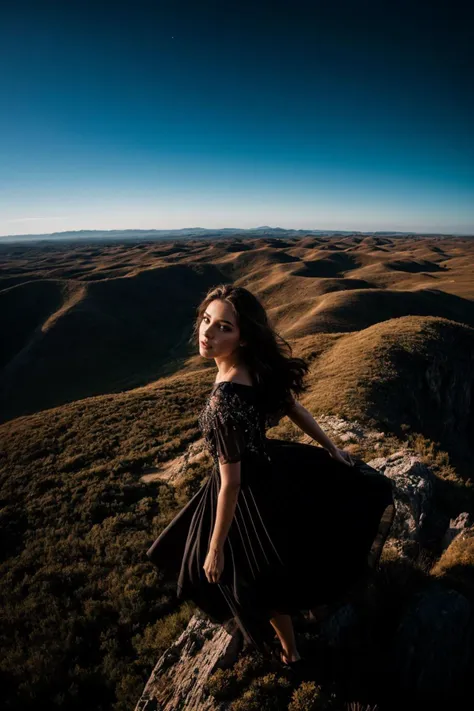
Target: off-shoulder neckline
232,381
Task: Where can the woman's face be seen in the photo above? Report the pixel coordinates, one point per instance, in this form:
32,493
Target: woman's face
219,334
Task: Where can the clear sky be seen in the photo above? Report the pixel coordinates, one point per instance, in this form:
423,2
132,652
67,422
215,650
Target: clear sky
173,113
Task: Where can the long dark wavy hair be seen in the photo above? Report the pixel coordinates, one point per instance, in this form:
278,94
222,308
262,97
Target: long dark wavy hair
268,356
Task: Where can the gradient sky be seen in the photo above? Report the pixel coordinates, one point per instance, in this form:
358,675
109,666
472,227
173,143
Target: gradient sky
173,114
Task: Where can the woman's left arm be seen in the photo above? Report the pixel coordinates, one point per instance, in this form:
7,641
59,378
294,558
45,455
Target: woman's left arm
306,422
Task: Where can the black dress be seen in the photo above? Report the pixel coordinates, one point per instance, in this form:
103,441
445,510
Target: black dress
305,526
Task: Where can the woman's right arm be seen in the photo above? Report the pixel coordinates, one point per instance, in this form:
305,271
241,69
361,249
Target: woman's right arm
226,502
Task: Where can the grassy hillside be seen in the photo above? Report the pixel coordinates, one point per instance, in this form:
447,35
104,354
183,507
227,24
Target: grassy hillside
79,320
82,607
409,372
84,613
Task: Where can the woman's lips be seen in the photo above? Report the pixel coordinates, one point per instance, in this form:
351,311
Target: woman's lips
205,345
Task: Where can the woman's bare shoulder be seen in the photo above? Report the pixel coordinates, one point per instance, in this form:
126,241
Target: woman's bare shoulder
241,377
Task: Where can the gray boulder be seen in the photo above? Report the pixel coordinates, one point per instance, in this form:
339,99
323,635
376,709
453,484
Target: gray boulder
417,523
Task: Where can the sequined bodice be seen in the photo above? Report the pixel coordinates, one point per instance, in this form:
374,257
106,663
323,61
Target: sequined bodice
232,407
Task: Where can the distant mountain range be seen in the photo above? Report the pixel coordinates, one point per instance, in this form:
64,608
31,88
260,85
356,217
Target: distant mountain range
200,233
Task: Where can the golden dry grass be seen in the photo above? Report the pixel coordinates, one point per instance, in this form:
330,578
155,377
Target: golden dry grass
456,566
80,320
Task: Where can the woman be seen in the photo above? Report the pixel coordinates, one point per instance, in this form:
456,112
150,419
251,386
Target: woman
278,526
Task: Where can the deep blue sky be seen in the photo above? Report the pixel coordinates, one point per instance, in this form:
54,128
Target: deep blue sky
166,114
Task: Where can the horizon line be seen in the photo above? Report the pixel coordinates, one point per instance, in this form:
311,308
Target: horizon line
239,229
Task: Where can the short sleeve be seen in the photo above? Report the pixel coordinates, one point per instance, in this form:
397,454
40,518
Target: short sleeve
228,424
230,437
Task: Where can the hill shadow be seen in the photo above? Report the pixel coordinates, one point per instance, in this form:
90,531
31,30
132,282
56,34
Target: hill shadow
334,265
357,309
414,266
121,334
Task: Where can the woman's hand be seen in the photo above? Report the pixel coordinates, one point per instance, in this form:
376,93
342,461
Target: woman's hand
341,455
214,564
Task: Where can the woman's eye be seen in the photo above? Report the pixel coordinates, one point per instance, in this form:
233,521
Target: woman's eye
224,328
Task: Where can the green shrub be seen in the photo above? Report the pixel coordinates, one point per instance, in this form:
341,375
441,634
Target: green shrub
158,637
307,697
266,693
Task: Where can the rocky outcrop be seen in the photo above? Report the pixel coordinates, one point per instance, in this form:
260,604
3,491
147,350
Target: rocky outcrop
178,680
417,522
